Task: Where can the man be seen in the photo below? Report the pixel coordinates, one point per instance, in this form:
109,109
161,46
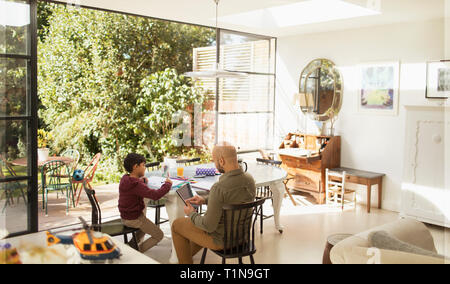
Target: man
191,234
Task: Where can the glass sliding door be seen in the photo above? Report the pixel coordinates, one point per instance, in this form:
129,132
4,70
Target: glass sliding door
18,117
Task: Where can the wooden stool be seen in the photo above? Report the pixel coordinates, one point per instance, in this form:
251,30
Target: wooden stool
331,242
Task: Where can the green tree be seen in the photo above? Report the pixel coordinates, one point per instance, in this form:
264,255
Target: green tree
107,81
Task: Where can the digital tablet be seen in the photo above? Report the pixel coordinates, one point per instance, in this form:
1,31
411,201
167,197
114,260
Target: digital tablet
185,192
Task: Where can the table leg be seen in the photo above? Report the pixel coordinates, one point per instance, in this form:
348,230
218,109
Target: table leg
380,191
175,210
278,190
369,195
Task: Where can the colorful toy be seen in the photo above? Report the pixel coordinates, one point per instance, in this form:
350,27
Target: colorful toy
93,246
78,175
205,172
9,255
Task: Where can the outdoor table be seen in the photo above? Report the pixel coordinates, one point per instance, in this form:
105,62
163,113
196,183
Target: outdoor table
264,175
24,161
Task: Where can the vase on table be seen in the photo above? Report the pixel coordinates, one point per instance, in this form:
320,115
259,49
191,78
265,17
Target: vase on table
43,154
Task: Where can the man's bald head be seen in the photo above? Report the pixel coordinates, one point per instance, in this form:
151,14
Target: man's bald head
225,157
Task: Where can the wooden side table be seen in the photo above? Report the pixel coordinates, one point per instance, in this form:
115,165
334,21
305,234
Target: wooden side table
331,242
365,178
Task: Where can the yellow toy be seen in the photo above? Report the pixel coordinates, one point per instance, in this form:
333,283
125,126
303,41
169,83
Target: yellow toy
93,246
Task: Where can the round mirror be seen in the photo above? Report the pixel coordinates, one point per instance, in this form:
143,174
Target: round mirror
321,90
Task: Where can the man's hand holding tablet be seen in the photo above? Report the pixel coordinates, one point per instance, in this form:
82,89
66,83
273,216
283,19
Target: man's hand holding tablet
188,209
197,200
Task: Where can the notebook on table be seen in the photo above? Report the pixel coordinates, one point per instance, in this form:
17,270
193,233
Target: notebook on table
203,185
155,182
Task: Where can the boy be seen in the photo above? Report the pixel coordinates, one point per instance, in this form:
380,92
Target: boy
132,191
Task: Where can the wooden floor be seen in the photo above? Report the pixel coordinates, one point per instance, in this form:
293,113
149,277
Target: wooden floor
307,227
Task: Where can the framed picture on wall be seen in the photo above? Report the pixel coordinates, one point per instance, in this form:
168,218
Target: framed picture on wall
438,80
378,92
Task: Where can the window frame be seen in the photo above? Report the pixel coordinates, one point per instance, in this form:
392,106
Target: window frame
274,75
31,118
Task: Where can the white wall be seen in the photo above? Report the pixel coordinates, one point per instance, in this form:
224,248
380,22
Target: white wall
369,142
447,117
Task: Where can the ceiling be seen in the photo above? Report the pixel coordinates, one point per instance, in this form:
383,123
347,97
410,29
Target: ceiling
278,17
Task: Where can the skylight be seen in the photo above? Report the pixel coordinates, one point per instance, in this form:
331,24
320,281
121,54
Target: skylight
301,13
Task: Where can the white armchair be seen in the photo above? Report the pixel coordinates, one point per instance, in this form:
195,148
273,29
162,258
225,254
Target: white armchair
357,250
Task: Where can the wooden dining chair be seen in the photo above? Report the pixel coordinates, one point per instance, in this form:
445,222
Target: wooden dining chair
89,174
335,188
239,231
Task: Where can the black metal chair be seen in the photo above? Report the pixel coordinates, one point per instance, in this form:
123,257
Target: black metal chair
9,188
264,192
189,162
112,228
156,204
239,231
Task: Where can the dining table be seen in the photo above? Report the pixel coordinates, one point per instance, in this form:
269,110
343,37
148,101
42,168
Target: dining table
264,175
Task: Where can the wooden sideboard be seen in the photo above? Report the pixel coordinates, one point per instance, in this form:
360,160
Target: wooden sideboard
305,158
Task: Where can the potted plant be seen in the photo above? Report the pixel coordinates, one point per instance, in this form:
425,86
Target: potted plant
43,141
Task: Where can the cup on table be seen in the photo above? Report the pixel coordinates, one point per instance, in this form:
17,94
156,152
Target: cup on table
180,171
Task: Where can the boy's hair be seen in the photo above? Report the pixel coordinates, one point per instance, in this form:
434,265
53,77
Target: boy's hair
131,160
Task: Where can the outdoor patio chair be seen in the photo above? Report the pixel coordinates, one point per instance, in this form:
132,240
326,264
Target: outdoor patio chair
75,156
239,234
9,188
52,175
89,173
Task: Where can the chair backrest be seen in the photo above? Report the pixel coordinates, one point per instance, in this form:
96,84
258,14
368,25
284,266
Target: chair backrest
74,155
89,172
54,172
2,166
239,224
189,161
335,179
153,166
194,161
5,165
96,213
264,155
269,162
